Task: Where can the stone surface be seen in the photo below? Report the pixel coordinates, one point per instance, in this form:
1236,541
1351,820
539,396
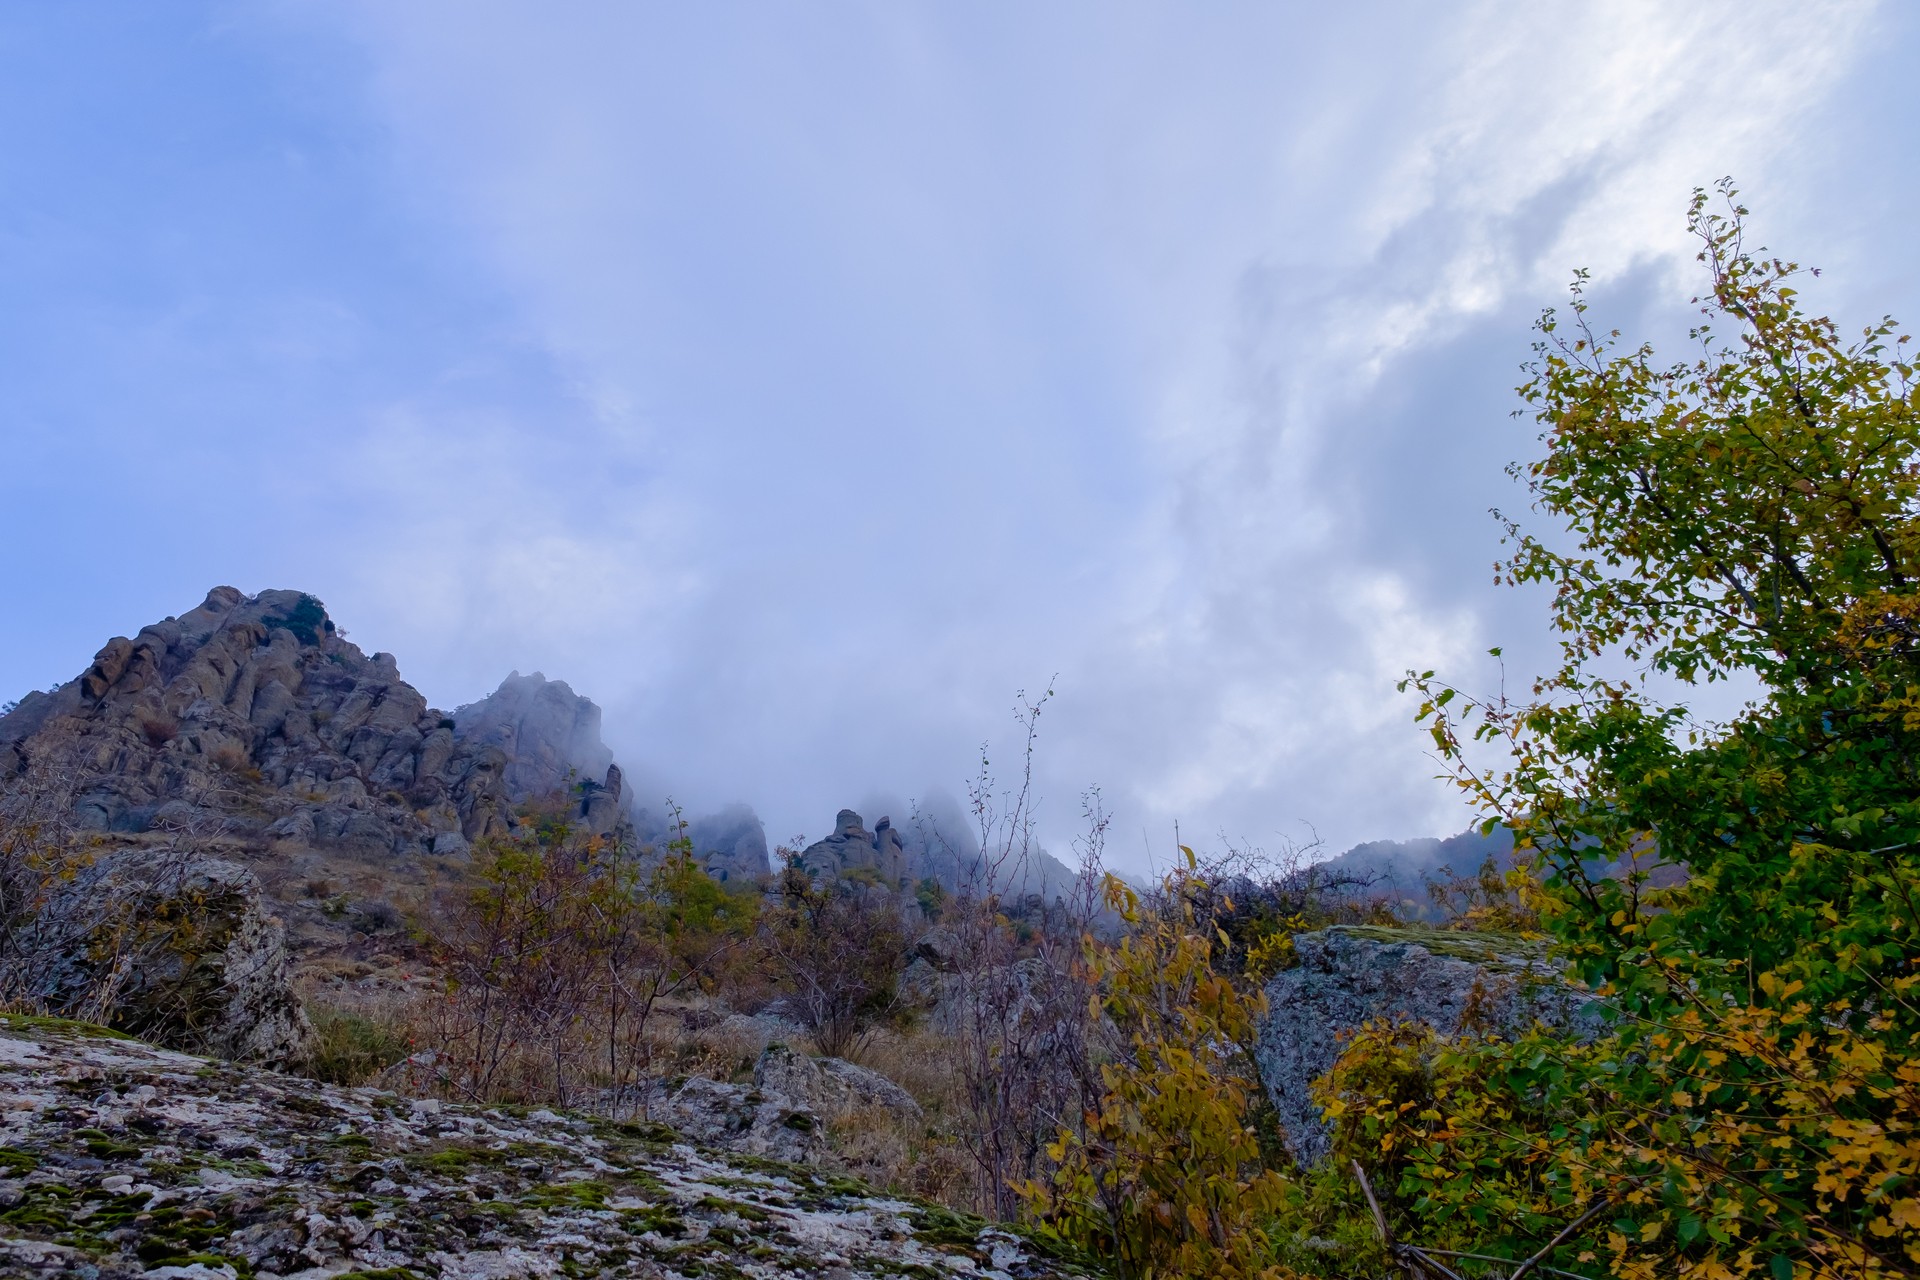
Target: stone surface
177,948
853,850
123,1160
253,719
742,1118
1350,974
549,734
251,716
831,1088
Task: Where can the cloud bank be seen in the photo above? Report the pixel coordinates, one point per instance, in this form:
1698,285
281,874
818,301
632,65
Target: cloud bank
801,384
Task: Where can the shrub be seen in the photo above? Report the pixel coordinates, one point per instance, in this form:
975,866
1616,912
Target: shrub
837,951
352,1048
1164,1177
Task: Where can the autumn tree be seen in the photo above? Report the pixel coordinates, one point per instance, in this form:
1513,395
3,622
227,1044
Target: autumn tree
1747,514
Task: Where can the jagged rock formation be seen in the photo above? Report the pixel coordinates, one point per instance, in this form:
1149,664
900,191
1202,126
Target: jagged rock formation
178,948
252,716
731,844
549,734
941,843
1347,975
120,1160
854,851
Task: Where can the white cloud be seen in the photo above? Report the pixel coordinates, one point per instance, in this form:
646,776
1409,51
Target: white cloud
955,351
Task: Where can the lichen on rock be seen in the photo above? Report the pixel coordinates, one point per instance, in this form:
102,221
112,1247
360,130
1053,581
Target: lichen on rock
119,1159
179,948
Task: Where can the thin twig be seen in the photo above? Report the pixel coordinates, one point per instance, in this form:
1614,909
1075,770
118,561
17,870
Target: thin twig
1379,1219
1566,1233
1487,1257
1433,1264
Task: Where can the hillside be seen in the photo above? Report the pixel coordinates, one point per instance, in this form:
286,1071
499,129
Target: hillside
118,1159
251,728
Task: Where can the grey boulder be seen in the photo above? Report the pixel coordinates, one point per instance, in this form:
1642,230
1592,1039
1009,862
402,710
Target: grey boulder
1349,975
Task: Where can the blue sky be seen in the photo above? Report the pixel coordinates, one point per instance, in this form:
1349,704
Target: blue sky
800,381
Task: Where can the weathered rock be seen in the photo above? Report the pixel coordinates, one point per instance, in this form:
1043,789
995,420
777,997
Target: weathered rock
731,844
831,1088
180,949
853,850
743,1119
549,734
1348,975
134,1161
253,717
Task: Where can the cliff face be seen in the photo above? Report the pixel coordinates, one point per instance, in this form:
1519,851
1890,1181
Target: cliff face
253,716
1349,975
251,719
118,1160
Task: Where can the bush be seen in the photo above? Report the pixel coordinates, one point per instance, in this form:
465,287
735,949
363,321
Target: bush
1163,1176
836,951
352,1048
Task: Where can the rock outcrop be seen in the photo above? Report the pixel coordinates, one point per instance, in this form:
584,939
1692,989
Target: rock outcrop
852,850
731,844
120,1160
1348,975
832,1088
178,948
786,1113
549,734
252,716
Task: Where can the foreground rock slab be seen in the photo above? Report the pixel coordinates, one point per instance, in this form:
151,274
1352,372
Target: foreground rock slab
118,1159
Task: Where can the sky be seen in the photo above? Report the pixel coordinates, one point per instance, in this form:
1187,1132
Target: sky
803,382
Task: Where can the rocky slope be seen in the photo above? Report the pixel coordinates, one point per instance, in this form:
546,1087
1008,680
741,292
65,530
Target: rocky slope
118,1159
253,721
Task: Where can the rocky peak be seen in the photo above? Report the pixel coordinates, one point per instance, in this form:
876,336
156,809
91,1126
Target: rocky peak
852,848
254,718
255,715
549,734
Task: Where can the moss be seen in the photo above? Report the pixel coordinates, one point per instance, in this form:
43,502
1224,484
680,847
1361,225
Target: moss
663,1220
16,1161
66,1026
585,1194
1504,950
937,1226
738,1208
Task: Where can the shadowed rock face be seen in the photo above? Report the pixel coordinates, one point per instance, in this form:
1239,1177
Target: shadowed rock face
215,1169
549,734
1349,975
179,947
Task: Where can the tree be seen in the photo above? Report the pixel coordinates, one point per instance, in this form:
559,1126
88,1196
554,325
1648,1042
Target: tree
1751,513
558,947
1162,1173
837,949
